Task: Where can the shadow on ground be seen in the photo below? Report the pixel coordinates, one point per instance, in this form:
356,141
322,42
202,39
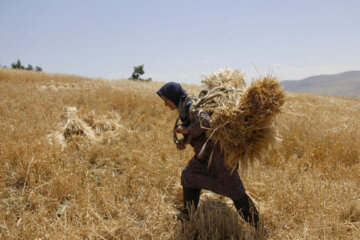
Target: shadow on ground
216,218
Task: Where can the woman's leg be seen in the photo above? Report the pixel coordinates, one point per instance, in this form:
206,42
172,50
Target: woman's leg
246,208
191,201
191,198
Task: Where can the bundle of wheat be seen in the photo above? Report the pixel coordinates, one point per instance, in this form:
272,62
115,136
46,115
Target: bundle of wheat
226,77
104,125
72,129
224,88
219,97
242,121
92,128
77,127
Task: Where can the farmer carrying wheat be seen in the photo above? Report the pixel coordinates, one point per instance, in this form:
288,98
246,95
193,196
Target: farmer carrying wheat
200,173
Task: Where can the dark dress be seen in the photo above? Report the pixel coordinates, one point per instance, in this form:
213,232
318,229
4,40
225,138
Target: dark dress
216,177
198,174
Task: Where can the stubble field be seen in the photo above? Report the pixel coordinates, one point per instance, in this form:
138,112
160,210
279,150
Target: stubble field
94,159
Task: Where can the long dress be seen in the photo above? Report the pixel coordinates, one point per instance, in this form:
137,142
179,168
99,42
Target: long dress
216,177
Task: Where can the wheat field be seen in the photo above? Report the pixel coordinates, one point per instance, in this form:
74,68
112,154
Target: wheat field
94,159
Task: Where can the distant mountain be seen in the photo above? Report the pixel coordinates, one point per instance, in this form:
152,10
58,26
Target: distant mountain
343,84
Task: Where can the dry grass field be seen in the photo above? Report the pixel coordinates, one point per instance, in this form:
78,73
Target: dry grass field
93,159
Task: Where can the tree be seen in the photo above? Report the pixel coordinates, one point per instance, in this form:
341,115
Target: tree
29,67
17,65
138,70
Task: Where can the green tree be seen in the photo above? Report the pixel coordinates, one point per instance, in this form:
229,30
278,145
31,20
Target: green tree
138,70
29,67
17,65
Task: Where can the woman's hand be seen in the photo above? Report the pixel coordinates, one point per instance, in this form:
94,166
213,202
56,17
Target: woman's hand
180,129
180,146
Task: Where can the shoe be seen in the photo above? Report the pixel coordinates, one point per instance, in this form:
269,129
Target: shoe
182,215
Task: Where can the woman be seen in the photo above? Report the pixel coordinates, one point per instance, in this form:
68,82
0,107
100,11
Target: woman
197,174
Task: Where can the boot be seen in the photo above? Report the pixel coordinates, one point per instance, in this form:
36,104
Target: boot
246,208
191,201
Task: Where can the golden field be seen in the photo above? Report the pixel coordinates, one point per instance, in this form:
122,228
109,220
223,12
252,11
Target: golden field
117,175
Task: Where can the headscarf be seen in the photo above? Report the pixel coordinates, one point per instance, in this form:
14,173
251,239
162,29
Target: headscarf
175,93
172,91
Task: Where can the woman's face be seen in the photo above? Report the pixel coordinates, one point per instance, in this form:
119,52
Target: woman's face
168,103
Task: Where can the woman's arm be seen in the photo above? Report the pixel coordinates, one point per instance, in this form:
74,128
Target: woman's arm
200,123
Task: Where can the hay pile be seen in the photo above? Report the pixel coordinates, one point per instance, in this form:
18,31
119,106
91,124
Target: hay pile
91,129
242,120
223,88
226,77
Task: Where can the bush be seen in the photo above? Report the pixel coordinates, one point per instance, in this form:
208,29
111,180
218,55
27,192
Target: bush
138,70
18,65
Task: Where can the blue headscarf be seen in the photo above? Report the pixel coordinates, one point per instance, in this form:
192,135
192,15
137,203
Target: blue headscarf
175,93
172,91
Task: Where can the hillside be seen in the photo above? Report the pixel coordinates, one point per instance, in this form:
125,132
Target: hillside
343,84
94,159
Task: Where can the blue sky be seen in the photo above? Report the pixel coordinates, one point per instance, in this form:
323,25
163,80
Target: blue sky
182,40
